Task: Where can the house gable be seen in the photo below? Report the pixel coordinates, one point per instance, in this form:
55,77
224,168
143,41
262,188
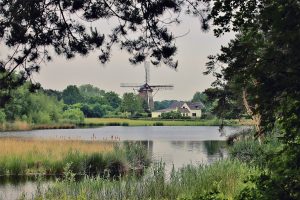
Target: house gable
191,109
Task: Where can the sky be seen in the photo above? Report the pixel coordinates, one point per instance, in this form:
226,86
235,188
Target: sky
192,53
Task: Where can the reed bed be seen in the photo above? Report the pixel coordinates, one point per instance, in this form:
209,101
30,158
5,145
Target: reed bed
222,180
25,126
56,149
36,156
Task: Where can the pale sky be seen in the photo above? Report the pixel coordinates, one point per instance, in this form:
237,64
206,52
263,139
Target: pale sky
192,53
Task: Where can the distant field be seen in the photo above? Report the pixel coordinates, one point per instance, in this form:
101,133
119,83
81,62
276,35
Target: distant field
157,122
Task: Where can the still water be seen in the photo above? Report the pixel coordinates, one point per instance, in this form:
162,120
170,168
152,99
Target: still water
176,146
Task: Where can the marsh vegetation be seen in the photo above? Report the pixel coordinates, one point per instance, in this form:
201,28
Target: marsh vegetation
19,156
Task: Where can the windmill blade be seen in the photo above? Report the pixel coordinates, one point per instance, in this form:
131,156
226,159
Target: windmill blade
147,72
163,87
134,85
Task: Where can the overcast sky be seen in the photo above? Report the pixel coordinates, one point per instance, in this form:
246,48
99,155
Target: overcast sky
193,50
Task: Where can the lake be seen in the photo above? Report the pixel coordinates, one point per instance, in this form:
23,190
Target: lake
176,146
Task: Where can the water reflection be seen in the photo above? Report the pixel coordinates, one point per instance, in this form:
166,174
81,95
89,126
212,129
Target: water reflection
173,153
175,146
181,153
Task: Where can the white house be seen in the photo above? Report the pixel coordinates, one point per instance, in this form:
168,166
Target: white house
188,109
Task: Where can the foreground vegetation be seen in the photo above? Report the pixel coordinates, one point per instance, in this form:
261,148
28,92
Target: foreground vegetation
237,177
222,180
50,157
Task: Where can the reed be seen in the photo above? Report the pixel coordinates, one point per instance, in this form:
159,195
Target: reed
27,156
222,180
50,157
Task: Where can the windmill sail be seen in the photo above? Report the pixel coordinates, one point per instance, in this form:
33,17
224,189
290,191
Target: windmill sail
145,90
134,85
147,72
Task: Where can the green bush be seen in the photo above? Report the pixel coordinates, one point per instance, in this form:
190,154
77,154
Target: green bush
158,124
171,115
252,152
2,116
73,115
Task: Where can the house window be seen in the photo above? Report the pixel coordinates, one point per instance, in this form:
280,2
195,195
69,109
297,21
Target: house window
194,114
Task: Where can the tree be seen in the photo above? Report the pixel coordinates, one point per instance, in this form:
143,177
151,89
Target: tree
131,103
159,105
224,103
199,97
203,98
73,115
71,95
113,99
264,61
33,107
53,93
32,28
88,90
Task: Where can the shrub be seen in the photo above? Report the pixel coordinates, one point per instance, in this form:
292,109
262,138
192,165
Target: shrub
95,164
73,115
158,124
125,124
252,152
2,116
171,115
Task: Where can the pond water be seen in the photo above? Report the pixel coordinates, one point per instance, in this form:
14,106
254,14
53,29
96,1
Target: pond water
174,145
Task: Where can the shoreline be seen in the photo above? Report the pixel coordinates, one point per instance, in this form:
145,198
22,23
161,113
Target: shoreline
99,122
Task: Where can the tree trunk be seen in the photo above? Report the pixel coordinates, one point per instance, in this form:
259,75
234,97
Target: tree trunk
256,117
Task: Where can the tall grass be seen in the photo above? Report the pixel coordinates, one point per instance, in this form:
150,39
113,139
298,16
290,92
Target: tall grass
224,178
30,156
25,126
250,151
50,157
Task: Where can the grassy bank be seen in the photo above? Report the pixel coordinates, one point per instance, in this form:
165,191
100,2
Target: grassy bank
24,126
88,122
222,180
160,122
50,157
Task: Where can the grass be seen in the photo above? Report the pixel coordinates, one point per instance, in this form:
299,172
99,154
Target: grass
223,179
50,157
24,126
159,122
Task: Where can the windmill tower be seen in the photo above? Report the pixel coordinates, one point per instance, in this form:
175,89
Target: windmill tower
145,90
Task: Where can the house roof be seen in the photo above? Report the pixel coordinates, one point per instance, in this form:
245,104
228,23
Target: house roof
195,105
192,105
183,110
179,104
164,110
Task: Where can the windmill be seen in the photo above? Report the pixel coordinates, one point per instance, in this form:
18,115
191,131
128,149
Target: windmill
146,90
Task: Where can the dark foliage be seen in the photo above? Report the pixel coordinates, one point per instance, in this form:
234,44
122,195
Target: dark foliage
32,28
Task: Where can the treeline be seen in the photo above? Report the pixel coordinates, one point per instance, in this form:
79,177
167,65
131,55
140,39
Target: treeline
72,105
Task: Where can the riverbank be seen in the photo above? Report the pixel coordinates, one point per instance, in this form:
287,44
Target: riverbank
161,122
24,126
96,122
